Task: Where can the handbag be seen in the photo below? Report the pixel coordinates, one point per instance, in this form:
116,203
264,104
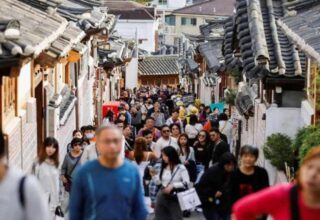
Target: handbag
67,185
188,199
59,214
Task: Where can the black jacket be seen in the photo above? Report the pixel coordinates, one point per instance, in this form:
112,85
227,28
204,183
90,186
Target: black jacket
213,180
217,150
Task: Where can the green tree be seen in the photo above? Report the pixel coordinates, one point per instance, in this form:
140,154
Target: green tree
278,149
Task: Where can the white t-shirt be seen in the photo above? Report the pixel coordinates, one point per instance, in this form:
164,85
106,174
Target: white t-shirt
162,143
36,208
193,130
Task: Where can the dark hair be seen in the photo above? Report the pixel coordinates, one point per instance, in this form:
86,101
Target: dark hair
118,121
75,131
193,120
85,140
109,115
176,110
76,141
126,126
150,118
173,158
88,128
165,126
125,118
215,108
207,137
227,158
215,130
187,147
214,124
172,125
2,150
248,149
146,132
83,128
223,117
140,146
49,141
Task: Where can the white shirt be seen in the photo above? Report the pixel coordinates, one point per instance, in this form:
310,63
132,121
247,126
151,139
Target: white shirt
162,143
49,175
36,208
193,130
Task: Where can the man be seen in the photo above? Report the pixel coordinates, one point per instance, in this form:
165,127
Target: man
214,191
165,140
150,125
21,197
91,152
129,142
174,119
147,134
89,132
108,188
219,147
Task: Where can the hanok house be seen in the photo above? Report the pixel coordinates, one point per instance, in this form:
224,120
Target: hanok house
272,71
158,70
302,28
68,69
24,33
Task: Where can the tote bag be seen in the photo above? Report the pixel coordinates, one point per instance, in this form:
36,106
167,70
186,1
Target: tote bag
188,199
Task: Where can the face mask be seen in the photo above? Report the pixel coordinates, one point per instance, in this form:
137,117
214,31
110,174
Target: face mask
90,136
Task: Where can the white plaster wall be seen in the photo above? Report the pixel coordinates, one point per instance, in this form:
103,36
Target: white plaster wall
307,111
172,4
24,85
205,93
85,100
132,74
283,120
60,71
146,30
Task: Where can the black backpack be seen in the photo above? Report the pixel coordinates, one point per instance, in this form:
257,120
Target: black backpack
21,191
294,207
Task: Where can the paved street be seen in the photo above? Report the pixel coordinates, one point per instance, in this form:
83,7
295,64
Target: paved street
194,216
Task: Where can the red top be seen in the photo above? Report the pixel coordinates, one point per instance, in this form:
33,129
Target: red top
274,201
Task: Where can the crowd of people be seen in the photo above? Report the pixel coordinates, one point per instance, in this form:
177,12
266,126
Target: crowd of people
142,156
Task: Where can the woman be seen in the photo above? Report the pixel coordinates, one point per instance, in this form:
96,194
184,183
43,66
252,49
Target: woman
46,170
175,130
248,178
213,189
289,201
193,129
140,155
173,176
186,154
202,152
122,117
71,162
158,116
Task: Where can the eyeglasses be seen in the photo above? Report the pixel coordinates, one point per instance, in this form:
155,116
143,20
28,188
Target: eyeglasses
165,131
202,135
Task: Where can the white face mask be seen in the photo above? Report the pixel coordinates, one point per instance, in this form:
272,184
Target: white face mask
90,136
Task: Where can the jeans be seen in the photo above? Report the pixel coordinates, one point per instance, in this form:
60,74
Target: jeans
211,214
200,171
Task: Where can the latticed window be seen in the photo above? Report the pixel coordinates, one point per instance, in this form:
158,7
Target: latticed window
9,95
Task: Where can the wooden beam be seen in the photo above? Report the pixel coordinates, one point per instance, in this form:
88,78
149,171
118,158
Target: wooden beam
74,56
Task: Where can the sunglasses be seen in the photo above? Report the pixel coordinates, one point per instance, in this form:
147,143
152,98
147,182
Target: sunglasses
202,135
165,131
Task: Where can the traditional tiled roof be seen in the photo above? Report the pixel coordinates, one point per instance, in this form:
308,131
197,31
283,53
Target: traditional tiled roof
70,37
43,5
37,30
264,48
130,10
158,65
211,51
304,30
210,7
301,5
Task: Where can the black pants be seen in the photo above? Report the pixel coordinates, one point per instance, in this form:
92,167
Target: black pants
167,209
